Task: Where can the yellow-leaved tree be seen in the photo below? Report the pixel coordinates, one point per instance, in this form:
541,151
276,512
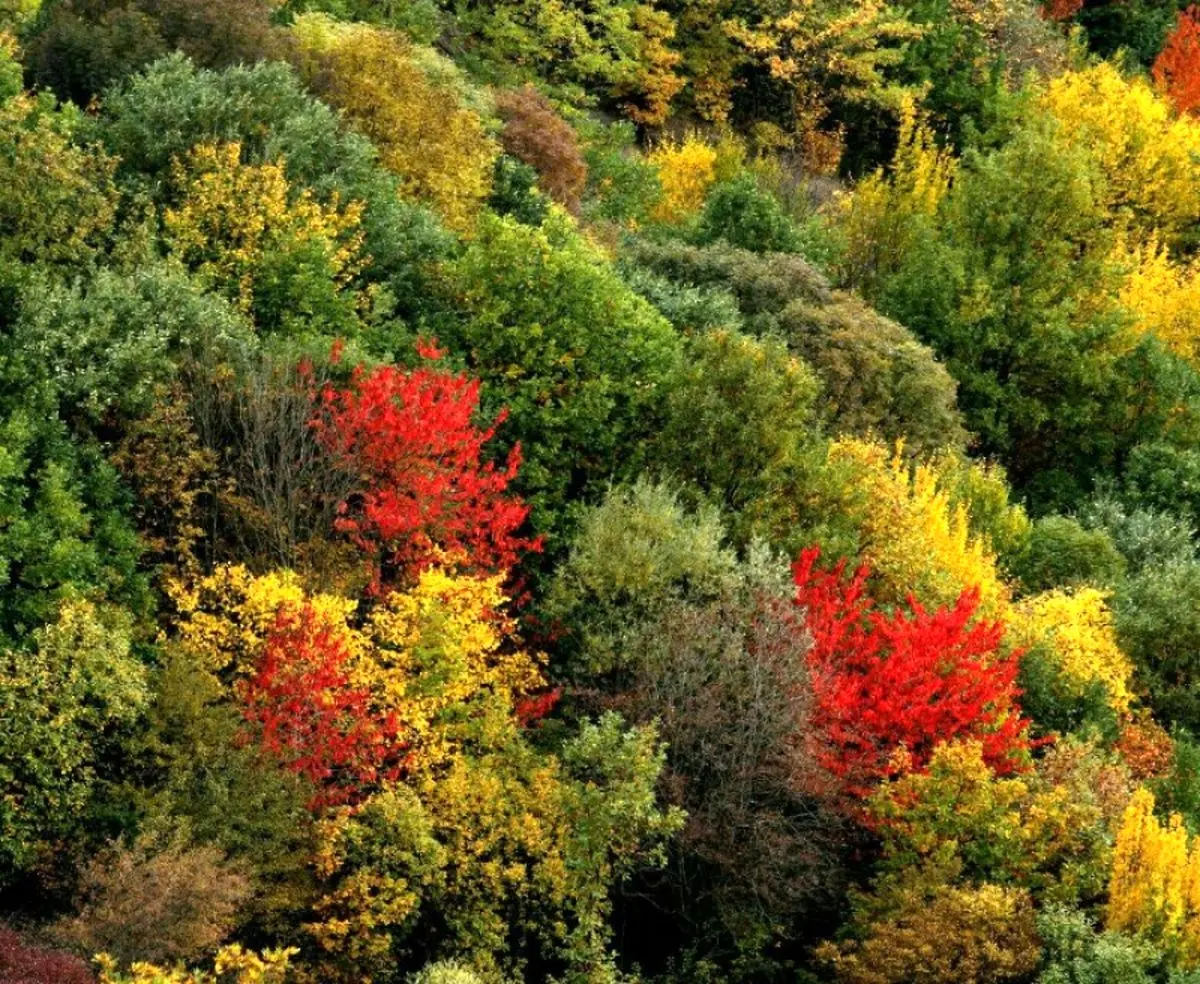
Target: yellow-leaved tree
913,534
412,105
1148,155
1154,890
1077,630
686,170
236,221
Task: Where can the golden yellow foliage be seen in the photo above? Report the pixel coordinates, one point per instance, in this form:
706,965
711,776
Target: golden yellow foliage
434,144
233,965
1162,296
1149,156
232,214
1077,628
686,170
915,539
1154,889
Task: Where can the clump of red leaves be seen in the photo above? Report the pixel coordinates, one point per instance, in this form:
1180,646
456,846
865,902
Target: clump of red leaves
307,714
1061,10
888,686
427,489
22,963
1177,68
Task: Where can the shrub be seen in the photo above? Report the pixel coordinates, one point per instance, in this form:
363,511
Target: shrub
1075,953
1062,553
580,361
1076,631
162,902
901,682
22,963
534,133
687,170
78,48
634,554
948,936
427,491
66,706
737,419
1158,625
436,146
746,216
1154,869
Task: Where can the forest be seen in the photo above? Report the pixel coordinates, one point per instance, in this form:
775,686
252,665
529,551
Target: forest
599,492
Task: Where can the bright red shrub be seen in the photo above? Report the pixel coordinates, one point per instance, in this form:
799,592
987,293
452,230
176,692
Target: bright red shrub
900,682
1177,68
21,963
307,714
427,490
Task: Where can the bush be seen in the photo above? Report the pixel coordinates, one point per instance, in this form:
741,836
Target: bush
160,902
1163,477
1144,537
433,142
1062,553
580,362
1075,953
534,133
1158,625
737,419
877,378
744,215
78,48
65,708
515,192
634,553
23,963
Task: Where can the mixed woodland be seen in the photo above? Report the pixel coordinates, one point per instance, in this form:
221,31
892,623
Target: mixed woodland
599,492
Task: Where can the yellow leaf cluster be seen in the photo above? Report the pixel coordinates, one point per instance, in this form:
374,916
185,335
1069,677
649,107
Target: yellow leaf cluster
912,534
233,965
437,147
686,171
1148,155
1077,627
232,214
1162,296
1154,889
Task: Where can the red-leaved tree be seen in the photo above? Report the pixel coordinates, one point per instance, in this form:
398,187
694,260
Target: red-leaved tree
305,711
1177,68
889,683
427,489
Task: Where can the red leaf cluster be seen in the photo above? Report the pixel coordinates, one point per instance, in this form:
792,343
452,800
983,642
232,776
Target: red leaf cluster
427,490
1177,68
21,963
1146,748
308,715
891,685
1061,10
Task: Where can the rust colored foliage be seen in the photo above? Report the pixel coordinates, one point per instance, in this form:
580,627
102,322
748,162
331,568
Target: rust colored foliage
888,686
428,492
308,714
21,963
1146,748
1061,10
536,134
1177,68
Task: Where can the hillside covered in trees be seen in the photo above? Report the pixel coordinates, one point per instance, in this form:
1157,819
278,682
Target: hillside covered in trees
599,492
